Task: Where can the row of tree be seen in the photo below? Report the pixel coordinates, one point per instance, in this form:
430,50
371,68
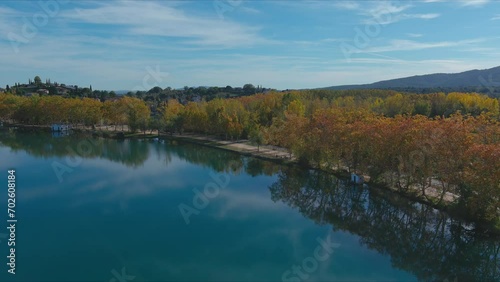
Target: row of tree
420,240
434,146
430,158
443,148
46,110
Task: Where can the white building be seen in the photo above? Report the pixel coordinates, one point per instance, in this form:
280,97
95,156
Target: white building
59,127
356,179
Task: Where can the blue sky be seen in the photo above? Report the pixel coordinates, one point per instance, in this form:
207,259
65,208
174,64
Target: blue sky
279,44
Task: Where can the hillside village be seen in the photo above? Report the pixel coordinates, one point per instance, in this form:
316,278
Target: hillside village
155,94
37,87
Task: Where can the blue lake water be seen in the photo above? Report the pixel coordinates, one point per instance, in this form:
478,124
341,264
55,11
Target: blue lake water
91,209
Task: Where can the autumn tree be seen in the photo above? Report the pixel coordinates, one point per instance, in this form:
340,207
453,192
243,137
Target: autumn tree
195,117
114,113
137,113
172,116
481,188
8,106
397,105
256,136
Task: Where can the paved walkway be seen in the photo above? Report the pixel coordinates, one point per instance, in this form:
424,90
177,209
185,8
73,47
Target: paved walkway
243,146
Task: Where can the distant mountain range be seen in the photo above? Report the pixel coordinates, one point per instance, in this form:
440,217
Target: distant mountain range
485,81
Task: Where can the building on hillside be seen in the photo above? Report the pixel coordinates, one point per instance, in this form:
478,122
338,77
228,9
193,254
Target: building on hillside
2,90
61,90
43,91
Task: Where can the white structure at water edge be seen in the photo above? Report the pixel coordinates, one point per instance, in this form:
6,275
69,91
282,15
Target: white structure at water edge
356,179
59,127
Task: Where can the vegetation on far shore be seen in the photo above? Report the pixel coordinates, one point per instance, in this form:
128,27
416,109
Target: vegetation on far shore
447,142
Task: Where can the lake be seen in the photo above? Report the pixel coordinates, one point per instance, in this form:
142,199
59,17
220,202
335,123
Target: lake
92,209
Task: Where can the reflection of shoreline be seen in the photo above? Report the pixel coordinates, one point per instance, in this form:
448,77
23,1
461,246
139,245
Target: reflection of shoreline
430,195
281,156
419,239
44,145
132,152
125,155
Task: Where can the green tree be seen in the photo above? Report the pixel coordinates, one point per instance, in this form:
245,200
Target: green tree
172,116
397,105
422,107
296,108
249,89
256,137
137,113
38,80
52,90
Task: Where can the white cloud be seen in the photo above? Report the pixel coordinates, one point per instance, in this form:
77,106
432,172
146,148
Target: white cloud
110,44
154,19
409,45
384,12
496,17
463,3
473,3
399,17
414,35
4,11
347,5
384,8
333,40
249,10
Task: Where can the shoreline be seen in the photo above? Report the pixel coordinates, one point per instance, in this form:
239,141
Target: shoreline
277,155
265,152
445,206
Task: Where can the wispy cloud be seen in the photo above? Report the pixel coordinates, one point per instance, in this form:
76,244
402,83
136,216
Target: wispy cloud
347,5
474,3
334,40
463,3
383,8
399,17
409,45
156,19
384,12
250,10
280,44
5,11
414,35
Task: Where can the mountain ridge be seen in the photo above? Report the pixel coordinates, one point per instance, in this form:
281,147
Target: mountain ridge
486,79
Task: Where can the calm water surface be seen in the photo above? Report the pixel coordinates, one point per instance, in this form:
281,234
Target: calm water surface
92,209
